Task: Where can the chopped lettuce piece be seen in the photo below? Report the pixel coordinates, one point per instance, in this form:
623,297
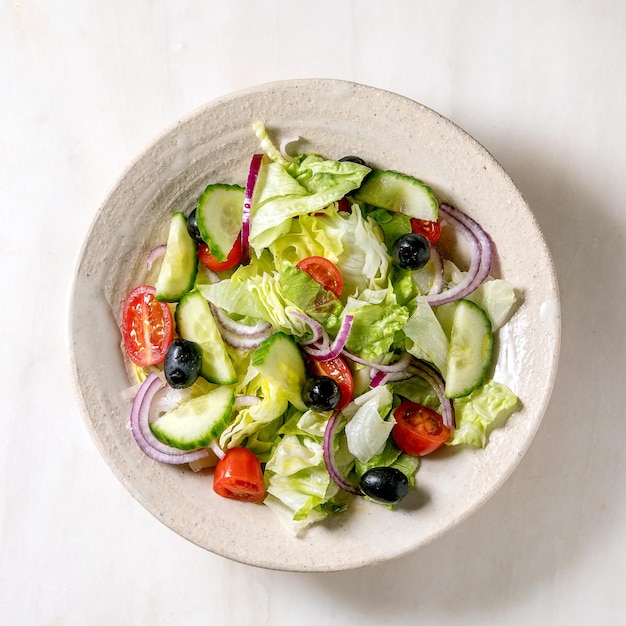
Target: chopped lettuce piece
495,296
391,456
286,189
476,412
309,296
376,323
427,340
394,225
368,431
248,422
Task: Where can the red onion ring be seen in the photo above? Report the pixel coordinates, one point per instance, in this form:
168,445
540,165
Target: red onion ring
382,378
316,328
242,402
243,330
253,175
219,453
435,380
336,347
329,456
401,364
482,256
240,342
140,428
154,254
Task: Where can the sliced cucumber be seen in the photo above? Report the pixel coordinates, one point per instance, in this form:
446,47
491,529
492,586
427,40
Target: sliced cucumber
279,360
219,216
195,322
180,263
470,351
400,193
196,422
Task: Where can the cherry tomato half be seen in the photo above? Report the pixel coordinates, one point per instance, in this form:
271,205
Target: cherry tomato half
325,272
147,326
429,230
239,476
233,258
338,370
418,430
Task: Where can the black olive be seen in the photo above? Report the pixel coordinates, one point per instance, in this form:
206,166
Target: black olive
353,159
411,251
321,393
192,227
182,363
386,485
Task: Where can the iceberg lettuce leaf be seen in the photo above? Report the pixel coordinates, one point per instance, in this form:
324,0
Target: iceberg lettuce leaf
476,412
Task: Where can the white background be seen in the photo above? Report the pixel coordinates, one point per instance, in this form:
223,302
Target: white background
85,86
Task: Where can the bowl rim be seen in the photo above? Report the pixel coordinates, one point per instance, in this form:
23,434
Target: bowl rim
168,132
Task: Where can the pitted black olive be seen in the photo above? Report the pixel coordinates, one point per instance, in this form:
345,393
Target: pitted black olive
386,485
182,363
321,393
411,251
192,228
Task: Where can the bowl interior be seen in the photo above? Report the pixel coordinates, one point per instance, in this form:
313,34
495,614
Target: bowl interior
214,144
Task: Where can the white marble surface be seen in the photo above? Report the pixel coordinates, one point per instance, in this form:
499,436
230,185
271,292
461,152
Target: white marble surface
85,86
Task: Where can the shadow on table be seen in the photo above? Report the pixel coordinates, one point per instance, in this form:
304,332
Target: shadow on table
559,501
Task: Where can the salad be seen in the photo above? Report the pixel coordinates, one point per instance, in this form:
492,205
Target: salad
305,338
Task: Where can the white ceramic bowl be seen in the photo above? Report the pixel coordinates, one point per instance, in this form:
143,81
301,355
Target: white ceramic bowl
214,144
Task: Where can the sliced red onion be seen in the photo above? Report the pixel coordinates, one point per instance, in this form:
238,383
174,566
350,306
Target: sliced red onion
336,347
154,254
243,330
480,264
140,428
253,175
284,142
382,378
435,257
316,328
242,402
435,380
219,453
240,342
329,456
401,364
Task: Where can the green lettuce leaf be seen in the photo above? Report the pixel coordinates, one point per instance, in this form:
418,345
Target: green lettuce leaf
368,430
260,422
300,489
286,189
495,296
476,412
309,296
375,324
391,456
427,340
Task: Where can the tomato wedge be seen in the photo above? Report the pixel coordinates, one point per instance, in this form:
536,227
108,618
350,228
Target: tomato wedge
147,326
325,272
338,370
233,258
418,430
239,476
429,230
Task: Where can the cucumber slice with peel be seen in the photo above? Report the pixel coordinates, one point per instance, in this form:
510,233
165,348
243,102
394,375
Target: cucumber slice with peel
279,360
195,322
196,422
219,214
180,263
400,193
470,350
